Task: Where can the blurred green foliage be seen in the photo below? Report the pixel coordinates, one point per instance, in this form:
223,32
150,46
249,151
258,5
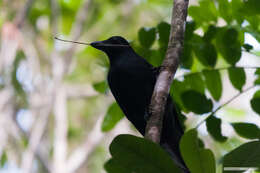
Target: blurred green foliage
214,42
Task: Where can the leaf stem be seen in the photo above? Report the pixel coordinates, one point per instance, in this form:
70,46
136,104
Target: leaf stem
227,102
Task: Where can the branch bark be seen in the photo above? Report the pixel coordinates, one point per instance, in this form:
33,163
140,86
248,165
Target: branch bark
169,67
60,131
20,17
35,140
80,154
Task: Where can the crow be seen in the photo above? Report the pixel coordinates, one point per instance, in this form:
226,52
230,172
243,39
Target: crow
131,80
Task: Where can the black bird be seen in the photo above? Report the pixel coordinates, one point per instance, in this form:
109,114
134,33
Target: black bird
131,80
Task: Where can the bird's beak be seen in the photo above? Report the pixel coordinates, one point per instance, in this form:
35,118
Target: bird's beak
97,44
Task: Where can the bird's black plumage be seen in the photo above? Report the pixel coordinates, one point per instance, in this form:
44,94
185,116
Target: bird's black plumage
131,80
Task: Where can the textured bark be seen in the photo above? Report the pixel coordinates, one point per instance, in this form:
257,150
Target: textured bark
169,67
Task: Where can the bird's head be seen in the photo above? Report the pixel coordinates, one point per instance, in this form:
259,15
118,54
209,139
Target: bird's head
113,45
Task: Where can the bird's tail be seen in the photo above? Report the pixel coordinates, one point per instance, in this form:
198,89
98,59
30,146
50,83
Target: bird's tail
172,132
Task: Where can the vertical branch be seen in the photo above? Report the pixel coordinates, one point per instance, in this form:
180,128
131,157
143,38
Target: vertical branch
80,155
35,139
20,17
77,28
60,131
10,38
77,31
169,67
55,11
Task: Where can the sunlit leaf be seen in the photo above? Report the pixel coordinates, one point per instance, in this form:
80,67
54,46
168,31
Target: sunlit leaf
213,83
195,82
112,117
101,87
198,160
225,10
177,88
3,159
206,12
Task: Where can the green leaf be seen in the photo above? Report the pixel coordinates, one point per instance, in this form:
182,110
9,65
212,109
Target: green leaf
214,128
18,86
257,81
248,47
190,82
237,77
211,33
113,166
186,56
195,82
246,155
101,87
74,132
177,88
213,83
157,56
204,51
196,102
255,102
3,159
113,116
146,36
247,130
134,154
257,72
236,10
190,28
229,45
206,12
251,7
164,33
198,160
225,10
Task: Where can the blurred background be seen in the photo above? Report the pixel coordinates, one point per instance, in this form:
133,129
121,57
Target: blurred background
54,99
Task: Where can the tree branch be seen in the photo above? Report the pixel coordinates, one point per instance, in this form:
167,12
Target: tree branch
55,12
226,103
60,130
35,139
169,67
80,154
20,17
77,31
